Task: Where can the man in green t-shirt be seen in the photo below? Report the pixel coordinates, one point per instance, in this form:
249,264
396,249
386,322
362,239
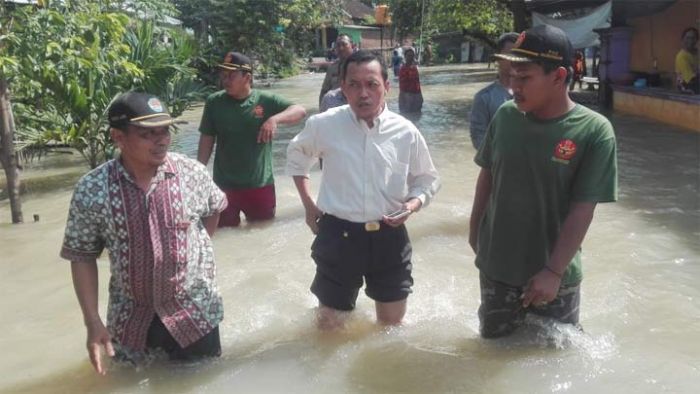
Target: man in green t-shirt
242,121
545,164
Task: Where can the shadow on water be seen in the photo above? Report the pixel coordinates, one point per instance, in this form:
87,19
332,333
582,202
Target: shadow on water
257,361
166,377
161,376
404,362
376,361
401,367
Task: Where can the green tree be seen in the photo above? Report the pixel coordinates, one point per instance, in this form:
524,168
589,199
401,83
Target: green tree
8,154
66,61
74,58
62,65
166,67
71,62
482,18
272,31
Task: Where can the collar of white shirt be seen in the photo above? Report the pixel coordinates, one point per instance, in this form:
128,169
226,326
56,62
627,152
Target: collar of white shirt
376,122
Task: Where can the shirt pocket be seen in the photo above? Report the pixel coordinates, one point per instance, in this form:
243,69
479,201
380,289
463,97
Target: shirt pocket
396,177
178,240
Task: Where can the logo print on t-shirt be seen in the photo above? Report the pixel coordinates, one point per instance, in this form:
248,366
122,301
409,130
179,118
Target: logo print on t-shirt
564,151
259,111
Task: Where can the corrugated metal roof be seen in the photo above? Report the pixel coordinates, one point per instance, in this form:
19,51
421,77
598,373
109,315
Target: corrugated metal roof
626,8
550,6
357,9
22,1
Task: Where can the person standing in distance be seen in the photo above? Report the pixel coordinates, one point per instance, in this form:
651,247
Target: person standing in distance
687,62
410,94
241,122
490,98
343,48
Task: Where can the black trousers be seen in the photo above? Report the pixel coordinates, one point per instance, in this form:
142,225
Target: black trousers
159,338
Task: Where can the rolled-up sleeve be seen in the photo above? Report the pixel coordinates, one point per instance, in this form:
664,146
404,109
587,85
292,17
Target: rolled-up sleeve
303,150
82,241
479,119
423,178
217,201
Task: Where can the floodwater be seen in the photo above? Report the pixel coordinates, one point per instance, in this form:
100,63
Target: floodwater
640,305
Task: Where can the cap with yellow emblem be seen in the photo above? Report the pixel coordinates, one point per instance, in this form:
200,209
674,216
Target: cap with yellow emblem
235,61
541,43
138,109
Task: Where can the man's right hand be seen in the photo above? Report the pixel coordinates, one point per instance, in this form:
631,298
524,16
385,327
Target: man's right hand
98,336
313,215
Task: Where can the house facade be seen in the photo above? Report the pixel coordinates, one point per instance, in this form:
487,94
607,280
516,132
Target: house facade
642,64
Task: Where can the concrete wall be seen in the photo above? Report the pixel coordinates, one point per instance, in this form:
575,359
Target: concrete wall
372,39
658,37
681,111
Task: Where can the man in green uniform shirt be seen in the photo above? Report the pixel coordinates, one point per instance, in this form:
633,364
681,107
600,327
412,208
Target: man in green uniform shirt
242,121
545,164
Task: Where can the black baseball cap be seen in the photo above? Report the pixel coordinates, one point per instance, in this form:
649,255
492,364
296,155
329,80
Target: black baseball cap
139,109
542,42
235,61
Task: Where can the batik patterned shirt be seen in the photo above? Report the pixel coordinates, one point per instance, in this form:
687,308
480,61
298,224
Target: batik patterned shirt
161,257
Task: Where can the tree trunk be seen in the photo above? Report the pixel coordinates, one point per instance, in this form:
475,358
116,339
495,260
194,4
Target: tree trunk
203,36
8,157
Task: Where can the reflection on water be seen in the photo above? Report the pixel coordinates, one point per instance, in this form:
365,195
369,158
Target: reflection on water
640,308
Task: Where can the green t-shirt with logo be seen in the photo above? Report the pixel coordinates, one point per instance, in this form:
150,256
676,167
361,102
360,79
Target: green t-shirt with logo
241,162
538,168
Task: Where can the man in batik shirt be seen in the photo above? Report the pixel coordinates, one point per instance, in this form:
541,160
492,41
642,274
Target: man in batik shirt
154,212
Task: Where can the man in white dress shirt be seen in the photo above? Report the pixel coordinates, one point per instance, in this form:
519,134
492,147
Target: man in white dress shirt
375,162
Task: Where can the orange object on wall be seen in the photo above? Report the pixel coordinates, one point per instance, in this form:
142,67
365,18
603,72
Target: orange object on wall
381,15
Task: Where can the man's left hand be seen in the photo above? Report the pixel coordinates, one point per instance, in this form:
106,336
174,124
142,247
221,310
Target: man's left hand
411,205
396,222
541,289
267,131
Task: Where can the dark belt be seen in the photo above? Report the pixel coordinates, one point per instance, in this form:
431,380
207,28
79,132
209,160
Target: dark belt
372,226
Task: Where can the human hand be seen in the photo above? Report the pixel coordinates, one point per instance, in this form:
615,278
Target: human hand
267,130
313,215
97,335
409,206
397,218
541,288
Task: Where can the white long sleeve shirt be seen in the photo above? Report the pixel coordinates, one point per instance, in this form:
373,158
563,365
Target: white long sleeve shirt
367,172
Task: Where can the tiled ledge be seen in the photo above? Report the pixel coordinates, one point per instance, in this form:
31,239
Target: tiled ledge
659,93
661,105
